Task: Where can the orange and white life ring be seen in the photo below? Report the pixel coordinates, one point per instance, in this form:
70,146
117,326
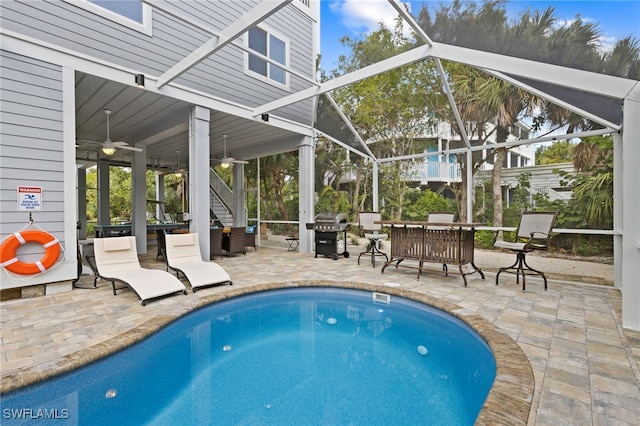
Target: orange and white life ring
9,248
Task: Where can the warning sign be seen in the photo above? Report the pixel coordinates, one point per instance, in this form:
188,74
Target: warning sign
29,198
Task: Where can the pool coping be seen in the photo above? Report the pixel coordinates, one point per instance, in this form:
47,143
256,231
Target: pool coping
509,400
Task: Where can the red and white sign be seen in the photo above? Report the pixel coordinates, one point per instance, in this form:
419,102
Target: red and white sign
29,198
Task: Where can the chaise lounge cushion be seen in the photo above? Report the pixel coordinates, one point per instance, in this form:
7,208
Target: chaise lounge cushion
183,254
117,259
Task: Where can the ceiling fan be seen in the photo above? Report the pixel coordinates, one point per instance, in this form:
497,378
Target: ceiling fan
108,146
227,161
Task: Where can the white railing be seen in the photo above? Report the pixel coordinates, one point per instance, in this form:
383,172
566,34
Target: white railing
436,171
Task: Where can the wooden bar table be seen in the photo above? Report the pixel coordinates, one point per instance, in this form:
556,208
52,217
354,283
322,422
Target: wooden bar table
444,243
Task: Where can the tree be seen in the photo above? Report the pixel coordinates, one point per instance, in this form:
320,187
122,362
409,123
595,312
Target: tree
557,152
389,110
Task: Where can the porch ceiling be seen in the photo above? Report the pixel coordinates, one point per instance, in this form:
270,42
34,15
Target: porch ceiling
160,124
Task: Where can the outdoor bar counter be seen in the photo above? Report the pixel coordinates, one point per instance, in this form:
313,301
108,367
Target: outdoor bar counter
434,242
104,231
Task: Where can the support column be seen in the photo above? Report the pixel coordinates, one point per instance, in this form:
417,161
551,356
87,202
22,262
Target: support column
306,193
630,209
238,207
199,154
161,208
104,206
469,199
81,181
139,200
375,187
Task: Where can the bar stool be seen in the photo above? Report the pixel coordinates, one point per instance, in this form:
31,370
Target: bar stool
372,233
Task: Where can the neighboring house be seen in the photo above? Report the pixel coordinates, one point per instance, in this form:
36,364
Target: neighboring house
176,76
544,179
436,172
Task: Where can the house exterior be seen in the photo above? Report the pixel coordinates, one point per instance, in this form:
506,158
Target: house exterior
176,76
442,169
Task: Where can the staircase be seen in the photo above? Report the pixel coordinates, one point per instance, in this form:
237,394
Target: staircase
220,200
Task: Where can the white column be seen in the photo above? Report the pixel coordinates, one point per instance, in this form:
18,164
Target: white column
306,202
239,210
630,211
199,152
161,208
139,200
374,189
81,180
470,186
104,207
618,185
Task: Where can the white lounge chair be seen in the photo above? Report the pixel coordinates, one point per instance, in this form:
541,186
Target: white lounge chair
117,260
183,256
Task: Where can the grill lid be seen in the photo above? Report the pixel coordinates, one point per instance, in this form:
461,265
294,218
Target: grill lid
330,218
331,222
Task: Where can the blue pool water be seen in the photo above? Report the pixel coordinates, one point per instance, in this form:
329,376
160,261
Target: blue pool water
315,356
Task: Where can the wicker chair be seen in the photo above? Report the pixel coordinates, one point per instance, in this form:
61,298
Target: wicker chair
250,237
215,242
533,233
162,245
234,242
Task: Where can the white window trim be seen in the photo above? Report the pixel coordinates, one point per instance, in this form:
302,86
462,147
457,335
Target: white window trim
144,27
285,67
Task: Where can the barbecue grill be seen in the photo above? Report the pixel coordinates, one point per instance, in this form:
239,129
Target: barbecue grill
326,227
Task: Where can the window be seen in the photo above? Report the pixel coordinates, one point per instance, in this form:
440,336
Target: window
131,13
131,9
267,45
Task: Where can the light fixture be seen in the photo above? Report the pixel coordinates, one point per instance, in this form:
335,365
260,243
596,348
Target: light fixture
108,148
140,80
226,161
265,118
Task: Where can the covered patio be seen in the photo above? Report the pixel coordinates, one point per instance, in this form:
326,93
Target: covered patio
585,364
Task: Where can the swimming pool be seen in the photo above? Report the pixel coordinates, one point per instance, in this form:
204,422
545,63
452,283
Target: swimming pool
290,356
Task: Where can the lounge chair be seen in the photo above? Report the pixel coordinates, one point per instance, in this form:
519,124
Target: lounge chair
183,256
117,260
533,233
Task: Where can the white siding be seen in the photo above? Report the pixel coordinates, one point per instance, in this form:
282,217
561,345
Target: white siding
63,24
31,147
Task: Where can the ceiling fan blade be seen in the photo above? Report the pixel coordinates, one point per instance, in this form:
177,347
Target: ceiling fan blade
88,141
239,161
129,148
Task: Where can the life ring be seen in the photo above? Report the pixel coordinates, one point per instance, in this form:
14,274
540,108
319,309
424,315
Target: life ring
10,262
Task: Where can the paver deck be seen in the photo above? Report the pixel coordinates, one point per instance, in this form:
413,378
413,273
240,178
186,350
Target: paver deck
584,363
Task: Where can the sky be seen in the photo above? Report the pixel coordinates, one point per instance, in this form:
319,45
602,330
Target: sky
617,19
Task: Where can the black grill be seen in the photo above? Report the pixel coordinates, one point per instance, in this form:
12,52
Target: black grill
326,227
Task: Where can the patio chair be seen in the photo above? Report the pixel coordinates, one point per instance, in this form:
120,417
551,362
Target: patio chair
250,237
215,242
372,233
162,246
117,260
234,241
533,233
440,217
184,257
